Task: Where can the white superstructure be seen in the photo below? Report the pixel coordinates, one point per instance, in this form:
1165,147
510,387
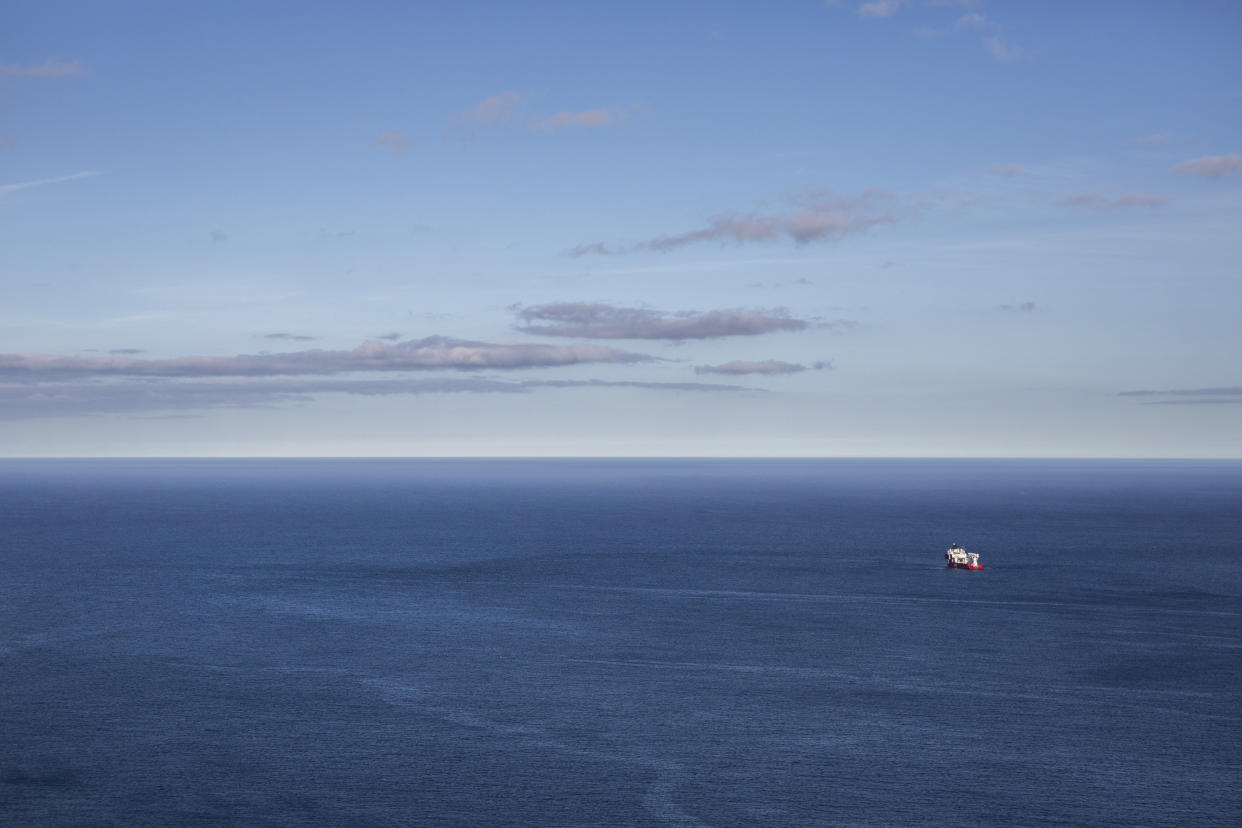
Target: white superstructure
958,558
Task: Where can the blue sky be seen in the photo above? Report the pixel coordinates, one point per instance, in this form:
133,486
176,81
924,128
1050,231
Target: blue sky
915,228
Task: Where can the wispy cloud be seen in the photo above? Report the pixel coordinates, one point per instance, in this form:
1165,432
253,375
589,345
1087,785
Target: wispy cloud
708,265
1158,139
1104,202
42,182
767,367
598,248
879,8
1209,166
216,292
430,353
496,110
288,337
998,48
584,118
990,32
602,321
510,109
1083,200
777,285
653,386
1140,200
1187,396
7,141
972,21
148,396
47,69
398,142
888,8
816,215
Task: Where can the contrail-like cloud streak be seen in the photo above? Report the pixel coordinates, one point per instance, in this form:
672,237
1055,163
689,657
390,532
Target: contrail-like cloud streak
136,396
42,182
430,353
819,215
602,321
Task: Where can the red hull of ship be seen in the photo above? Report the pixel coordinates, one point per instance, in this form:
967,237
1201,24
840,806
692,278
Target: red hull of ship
964,566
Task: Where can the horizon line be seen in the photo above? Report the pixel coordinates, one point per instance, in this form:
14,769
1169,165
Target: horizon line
1060,458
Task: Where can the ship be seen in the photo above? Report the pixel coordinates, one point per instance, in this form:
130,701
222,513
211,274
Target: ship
958,558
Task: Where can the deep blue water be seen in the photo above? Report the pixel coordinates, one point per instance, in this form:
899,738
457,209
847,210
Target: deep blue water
726,643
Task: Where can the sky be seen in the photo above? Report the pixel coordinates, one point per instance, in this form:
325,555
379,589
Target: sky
915,228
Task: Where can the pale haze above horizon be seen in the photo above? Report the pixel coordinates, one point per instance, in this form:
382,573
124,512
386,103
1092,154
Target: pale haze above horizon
916,228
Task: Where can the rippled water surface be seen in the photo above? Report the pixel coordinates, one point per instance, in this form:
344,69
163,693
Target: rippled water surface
664,642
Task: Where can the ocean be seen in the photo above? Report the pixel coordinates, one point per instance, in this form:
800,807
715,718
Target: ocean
620,642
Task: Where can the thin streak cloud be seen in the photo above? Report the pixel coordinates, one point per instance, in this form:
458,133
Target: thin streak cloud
430,353
819,215
1189,396
289,337
42,182
583,119
1156,139
21,401
510,109
602,321
767,367
47,69
1104,202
